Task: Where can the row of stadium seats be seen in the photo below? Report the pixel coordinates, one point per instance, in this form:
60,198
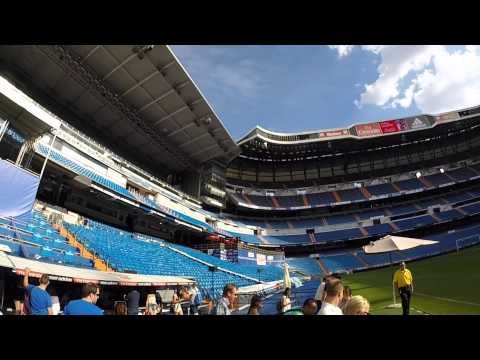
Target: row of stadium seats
355,195
364,215
34,238
358,259
374,230
126,252
81,170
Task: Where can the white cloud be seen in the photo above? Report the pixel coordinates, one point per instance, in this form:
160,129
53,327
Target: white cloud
441,81
343,50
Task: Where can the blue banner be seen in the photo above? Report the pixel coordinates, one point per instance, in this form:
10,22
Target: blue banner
18,189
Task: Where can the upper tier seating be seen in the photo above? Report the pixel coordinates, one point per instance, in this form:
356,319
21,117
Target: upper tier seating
324,198
260,200
351,195
381,189
289,201
438,179
410,184
462,173
78,169
414,222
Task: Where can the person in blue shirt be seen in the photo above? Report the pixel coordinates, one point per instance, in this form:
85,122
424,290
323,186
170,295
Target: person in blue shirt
86,305
40,302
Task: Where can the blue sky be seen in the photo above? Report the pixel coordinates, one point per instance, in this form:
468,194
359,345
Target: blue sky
301,88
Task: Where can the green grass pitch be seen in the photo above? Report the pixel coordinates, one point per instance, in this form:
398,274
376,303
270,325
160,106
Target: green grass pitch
443,285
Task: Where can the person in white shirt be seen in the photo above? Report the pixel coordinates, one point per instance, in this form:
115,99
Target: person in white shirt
334,295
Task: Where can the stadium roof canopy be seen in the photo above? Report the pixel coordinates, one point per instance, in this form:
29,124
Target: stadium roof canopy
261,143
30,119
137,100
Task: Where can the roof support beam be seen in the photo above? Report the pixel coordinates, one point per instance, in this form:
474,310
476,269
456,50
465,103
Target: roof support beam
179,110
174,89
194,140
140,83
124,62
90,53
189,125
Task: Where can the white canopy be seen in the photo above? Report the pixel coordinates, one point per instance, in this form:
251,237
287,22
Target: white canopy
394,243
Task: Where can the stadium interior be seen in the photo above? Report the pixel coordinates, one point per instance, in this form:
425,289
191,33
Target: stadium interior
137,175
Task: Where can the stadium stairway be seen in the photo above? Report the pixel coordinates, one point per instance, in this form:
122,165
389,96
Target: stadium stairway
361,260
322,266
425,182
275,202
365,193
247,199
396,187
311,237
337,197
98,263
305,200
363,231
394,226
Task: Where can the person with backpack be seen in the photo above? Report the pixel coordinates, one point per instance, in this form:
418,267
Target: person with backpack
38,299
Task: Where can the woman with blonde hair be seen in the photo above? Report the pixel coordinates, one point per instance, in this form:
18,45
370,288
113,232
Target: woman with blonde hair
357,305
151,306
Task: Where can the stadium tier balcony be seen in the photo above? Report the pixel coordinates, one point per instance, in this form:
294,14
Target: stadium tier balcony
340,219
414,222
365,215
410,184
351,195
80,170
321,199
438,179
290,201
381,189
402,209
456,198
375,230
462,173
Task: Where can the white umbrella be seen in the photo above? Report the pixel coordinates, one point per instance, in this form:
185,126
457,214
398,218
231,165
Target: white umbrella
287,283
392,243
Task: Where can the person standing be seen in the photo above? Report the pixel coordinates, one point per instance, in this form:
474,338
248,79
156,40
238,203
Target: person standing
40,302
256,303
285,303
333,298
133,302
227,302
195,299
403,282
85,305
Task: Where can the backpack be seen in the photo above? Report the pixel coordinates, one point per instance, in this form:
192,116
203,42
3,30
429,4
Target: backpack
197,300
